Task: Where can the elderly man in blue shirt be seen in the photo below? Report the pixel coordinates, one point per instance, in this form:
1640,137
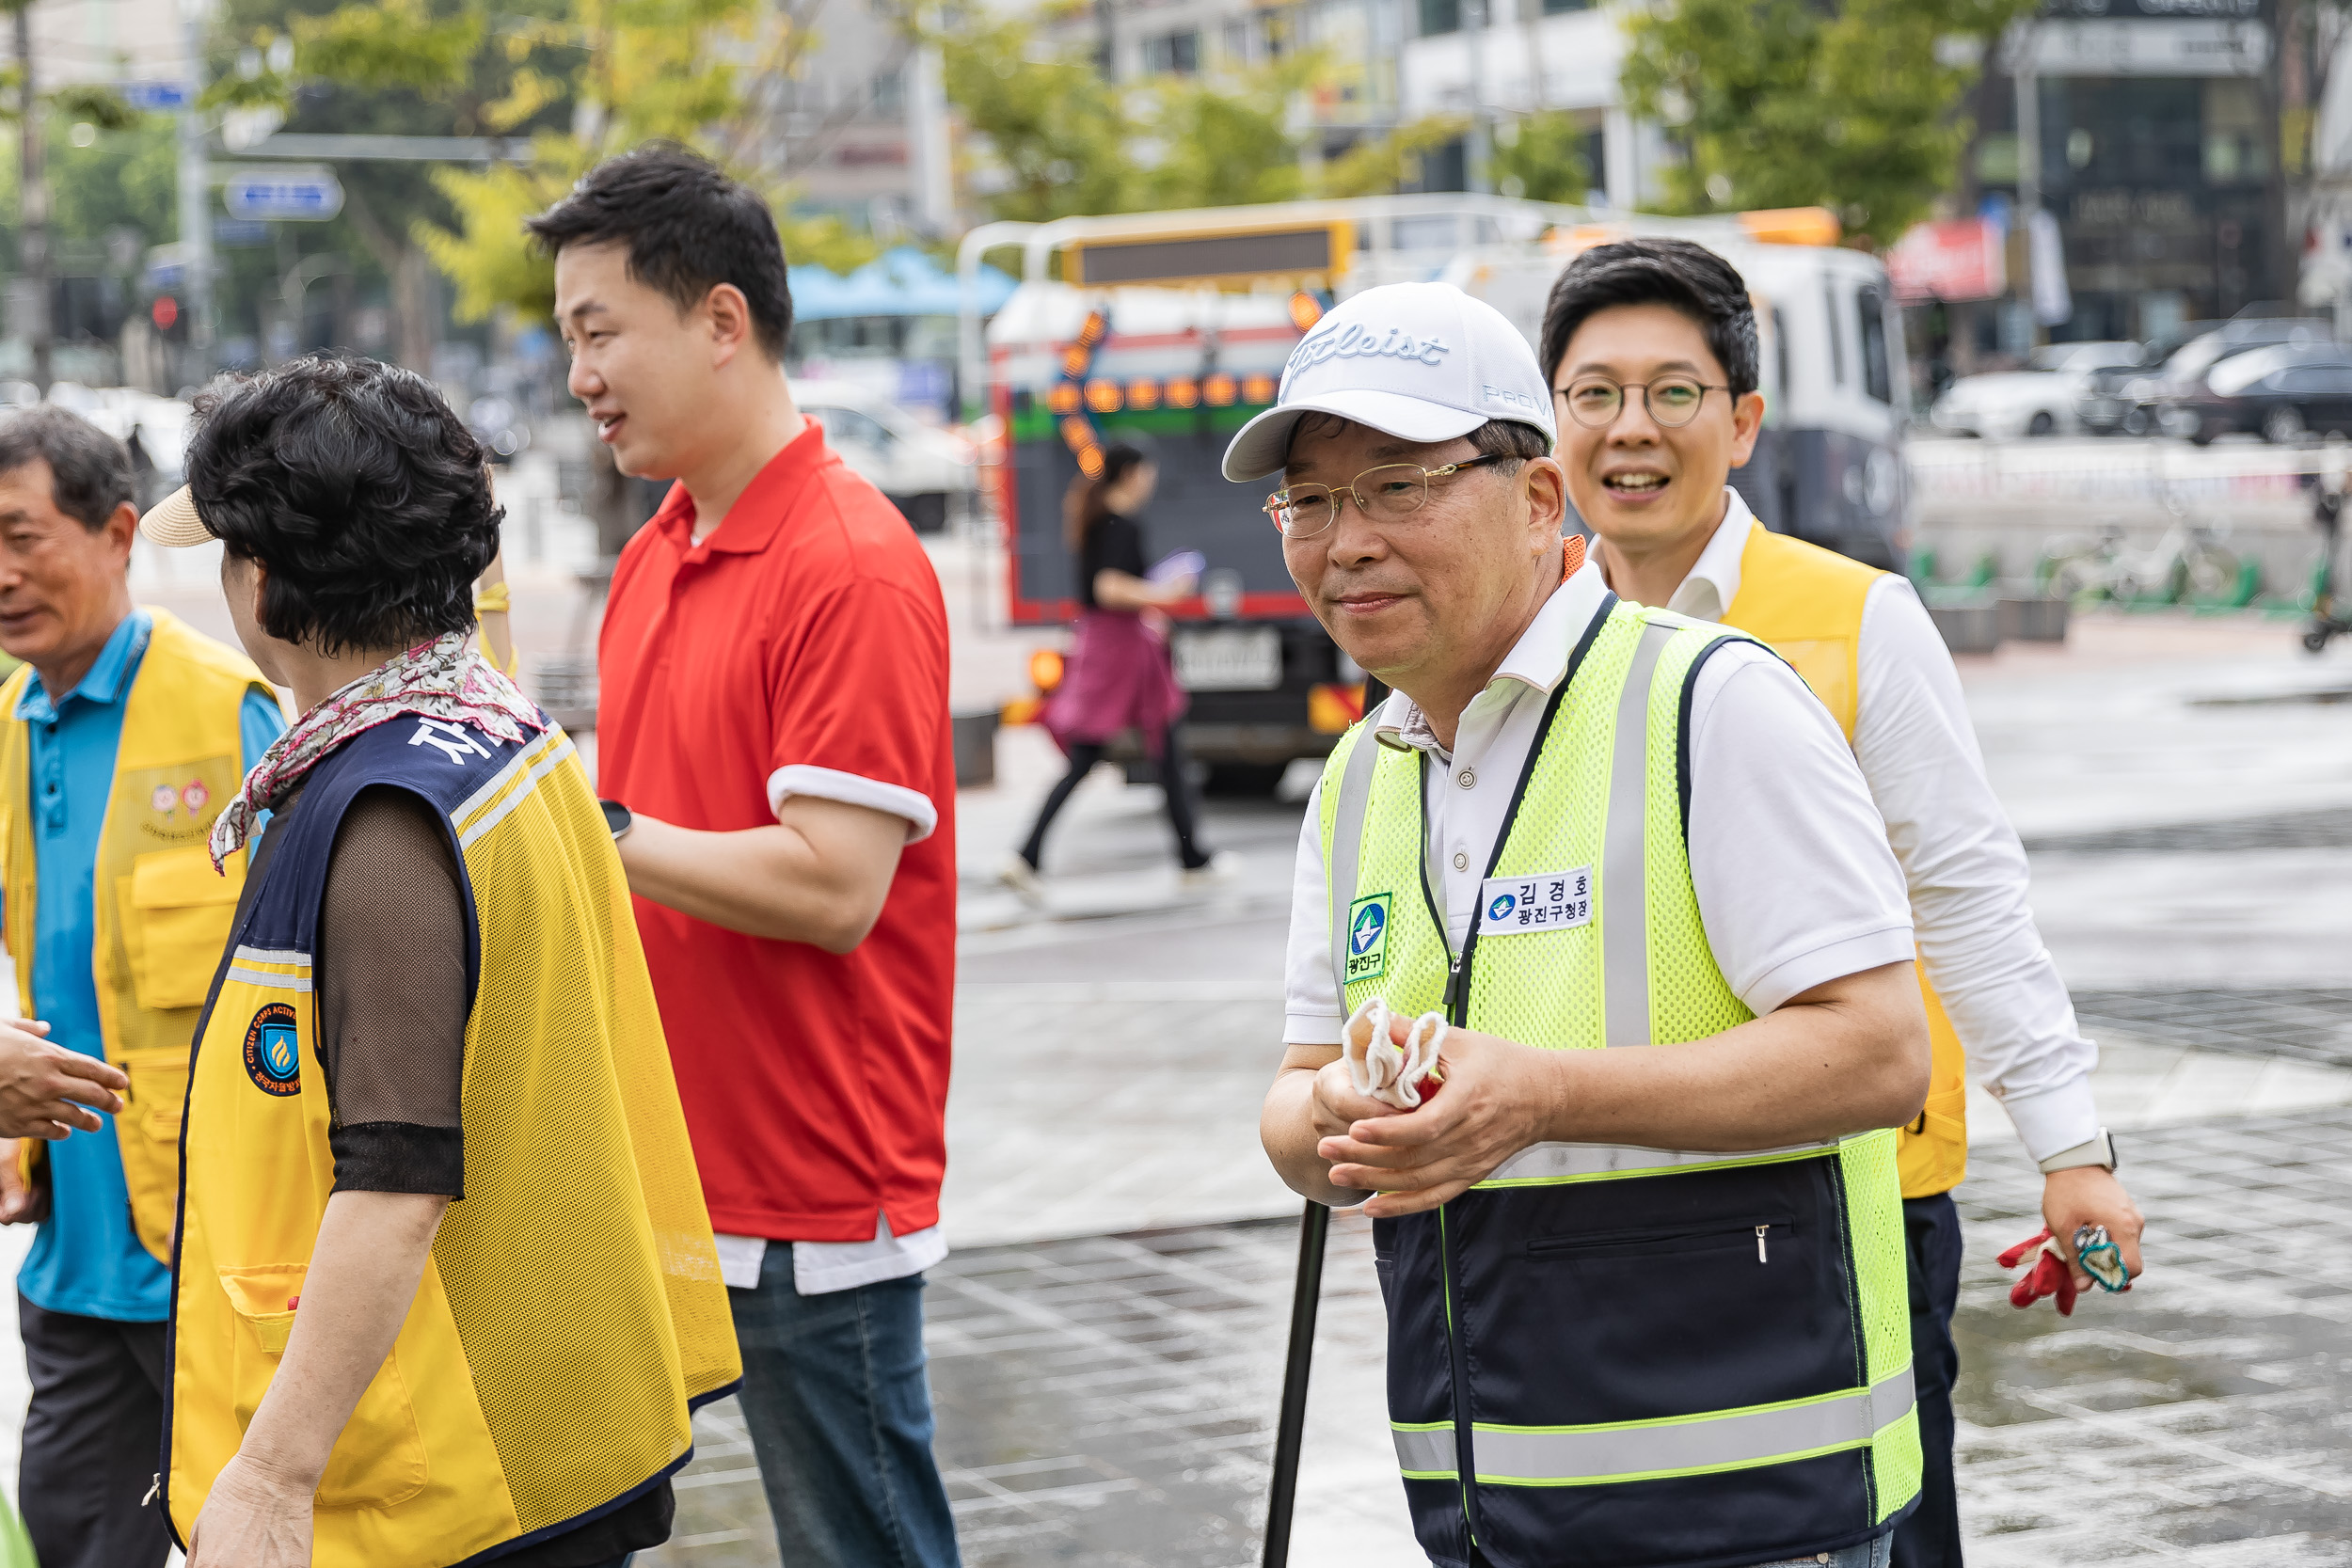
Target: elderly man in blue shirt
120,740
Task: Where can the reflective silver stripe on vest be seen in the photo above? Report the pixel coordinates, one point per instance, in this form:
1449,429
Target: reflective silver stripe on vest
1625,922
1427,1452
1347,850
1572,1162
1730,1441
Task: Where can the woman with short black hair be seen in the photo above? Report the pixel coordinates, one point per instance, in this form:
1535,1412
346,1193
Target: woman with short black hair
1119,676
445,1284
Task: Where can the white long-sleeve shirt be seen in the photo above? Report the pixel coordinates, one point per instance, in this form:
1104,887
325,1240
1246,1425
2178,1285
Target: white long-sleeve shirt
1963,861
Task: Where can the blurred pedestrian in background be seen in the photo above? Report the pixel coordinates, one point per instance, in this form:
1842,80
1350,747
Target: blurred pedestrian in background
1650,348
1118,675
774,745
445,1288
124,736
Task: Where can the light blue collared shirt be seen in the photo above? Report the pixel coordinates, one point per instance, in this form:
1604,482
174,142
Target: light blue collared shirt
87,1258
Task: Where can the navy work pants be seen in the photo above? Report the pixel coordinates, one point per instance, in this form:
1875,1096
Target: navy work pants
1930,1537
93,1437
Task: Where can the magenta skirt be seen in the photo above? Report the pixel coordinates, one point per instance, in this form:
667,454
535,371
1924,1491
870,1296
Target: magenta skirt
1119,676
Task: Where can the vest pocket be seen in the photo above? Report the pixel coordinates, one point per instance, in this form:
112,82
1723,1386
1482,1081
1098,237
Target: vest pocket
1762,1232
147,1134
182,911
379,1460
1655,1297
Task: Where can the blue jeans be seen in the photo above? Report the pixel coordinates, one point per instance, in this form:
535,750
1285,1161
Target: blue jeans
1870,1554
840,1418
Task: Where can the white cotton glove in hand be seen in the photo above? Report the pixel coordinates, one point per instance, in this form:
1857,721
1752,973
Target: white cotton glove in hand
1403,1078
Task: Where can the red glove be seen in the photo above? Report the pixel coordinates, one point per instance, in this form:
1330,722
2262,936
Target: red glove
2049,1277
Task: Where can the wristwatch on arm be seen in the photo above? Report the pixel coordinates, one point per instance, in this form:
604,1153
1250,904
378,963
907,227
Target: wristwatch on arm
617,817
2099,1151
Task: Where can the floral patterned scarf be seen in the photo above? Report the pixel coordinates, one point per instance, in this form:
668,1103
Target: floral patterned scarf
444,679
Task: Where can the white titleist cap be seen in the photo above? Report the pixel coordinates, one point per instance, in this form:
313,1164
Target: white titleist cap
1424,361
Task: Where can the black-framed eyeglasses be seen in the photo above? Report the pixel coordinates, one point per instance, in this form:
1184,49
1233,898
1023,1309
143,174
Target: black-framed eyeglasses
1387,494
1673,400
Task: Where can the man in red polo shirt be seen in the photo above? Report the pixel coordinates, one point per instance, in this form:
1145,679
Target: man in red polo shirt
775,748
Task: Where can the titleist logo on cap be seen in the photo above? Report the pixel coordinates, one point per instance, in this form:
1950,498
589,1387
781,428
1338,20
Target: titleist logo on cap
1359,342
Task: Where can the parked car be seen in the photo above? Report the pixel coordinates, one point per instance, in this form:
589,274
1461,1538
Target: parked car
2159,400
2104,410
2283,392
919,467
2037,402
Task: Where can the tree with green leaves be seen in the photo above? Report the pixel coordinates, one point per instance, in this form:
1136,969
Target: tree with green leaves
27,107
561,83
436,68
1854,106
1056,139
1541,157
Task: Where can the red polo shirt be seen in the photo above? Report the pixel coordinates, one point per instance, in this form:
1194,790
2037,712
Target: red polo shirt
800,649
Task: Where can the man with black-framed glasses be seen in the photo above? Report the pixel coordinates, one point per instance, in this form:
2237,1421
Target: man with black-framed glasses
1646,1303
1652,481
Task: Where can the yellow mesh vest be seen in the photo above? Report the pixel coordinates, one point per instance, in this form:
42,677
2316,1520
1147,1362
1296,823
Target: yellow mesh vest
1551,988
572,1313
162,913
1807,602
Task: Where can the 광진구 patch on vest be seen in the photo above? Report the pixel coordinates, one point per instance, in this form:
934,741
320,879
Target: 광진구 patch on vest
1552,901
1368,936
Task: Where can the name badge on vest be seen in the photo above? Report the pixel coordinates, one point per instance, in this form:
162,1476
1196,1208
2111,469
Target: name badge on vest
1513,906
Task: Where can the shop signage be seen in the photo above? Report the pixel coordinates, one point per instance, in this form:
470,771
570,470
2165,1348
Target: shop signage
1958,259
2186,45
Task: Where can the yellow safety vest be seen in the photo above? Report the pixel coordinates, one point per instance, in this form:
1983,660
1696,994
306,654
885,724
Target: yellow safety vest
572,1313
162,913
1603,1354
1807,602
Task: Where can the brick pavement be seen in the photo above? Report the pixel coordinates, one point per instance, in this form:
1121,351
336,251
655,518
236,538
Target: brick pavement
2306,1023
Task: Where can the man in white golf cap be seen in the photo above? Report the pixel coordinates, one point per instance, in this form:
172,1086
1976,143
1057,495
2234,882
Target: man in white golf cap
1645,1303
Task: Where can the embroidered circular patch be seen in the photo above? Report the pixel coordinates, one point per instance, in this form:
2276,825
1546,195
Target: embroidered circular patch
273,1051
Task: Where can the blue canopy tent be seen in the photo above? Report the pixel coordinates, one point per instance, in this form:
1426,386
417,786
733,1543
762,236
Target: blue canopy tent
900,307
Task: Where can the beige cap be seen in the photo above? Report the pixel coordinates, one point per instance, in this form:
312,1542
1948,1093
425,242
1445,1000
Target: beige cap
173,520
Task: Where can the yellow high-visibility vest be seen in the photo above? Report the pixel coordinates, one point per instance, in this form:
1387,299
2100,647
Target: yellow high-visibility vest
161,911
572,1313
1806,603
1604,1353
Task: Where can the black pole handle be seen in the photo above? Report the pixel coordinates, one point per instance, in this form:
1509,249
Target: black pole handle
1291,1433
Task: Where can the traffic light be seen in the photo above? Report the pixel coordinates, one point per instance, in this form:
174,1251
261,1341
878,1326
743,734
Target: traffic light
165,313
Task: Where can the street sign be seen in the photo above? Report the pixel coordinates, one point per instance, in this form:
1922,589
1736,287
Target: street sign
156,98
284,195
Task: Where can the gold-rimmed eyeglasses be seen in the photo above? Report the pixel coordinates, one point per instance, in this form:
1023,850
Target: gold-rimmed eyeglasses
1387,494
1673,400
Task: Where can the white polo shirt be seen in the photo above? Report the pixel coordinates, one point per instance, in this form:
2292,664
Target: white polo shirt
1963,861
1796,885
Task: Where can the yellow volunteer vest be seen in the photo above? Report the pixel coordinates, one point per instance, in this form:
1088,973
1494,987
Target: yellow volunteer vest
572,1313
1807,602
162,911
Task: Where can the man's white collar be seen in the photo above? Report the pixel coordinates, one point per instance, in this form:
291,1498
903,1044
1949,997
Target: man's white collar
1706,594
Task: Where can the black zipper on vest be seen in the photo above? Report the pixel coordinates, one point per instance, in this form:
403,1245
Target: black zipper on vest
1668,1239
1456,1004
